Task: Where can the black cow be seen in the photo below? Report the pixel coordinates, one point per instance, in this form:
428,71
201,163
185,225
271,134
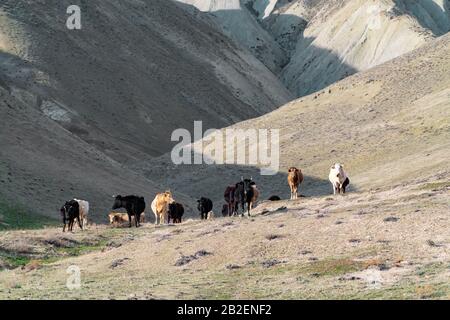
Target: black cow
205,205
69,212
176,211
134,206
274,198
244,194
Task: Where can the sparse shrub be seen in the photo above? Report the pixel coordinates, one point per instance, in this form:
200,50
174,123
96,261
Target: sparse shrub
271,237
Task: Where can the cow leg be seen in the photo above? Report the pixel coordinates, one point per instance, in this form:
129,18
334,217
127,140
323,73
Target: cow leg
79,223
129,220
136,220
64,228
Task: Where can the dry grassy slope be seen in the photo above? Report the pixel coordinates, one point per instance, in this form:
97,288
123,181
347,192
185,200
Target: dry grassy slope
42,165
388,125
389,244
134,73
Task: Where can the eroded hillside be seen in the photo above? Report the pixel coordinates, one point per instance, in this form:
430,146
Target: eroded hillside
388,125
77,106
325,41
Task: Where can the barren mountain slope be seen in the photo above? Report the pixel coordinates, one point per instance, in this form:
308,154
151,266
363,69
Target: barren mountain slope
324,41
42,165
241,24
349,36
134,72
387,126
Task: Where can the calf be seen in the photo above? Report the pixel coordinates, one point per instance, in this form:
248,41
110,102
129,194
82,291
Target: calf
134,206
69,212
176,211
338,178
205,205
119,218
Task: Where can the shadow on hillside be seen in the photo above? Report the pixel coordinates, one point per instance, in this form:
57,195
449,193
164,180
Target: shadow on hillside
211,181
287,29
440,23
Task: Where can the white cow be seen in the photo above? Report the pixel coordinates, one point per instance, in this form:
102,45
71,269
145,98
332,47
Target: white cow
338,178
84,212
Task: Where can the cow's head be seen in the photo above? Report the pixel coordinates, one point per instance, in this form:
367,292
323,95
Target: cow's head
168,198
70,208
201,203
293,170
111,217
338,169
117,202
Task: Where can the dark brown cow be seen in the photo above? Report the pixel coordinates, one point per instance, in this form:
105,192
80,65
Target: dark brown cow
230,200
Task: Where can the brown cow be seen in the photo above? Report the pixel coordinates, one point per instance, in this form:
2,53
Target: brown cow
295,177
254,195
160,206
230,200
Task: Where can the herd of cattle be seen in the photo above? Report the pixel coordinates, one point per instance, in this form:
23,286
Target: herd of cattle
243,194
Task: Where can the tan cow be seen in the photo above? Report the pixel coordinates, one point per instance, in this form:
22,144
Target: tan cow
119,218
160,206
295,177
